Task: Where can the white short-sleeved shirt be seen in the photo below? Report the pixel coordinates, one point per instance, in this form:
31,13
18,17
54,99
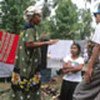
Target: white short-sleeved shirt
96,37
73,77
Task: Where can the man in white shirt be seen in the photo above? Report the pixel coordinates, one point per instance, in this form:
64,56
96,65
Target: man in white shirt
89,88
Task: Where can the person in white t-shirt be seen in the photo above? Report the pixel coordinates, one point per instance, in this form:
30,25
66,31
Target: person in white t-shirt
89,88
72,67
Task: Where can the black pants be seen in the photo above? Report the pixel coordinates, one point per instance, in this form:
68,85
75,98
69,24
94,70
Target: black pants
67,90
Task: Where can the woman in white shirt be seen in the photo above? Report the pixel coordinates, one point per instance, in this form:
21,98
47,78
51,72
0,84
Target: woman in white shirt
72,72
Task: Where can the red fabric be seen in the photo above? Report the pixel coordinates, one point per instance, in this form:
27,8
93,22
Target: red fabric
8,47
12,54
0,40
2,45
1,35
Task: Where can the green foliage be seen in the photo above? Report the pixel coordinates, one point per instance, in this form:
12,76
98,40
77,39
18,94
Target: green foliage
66,20
70,22
46,10
86,19
62,25
12,14
45,26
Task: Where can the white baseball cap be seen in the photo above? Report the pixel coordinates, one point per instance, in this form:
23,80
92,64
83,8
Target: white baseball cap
97,8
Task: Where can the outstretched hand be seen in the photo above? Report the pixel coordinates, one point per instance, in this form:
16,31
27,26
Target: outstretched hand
53,41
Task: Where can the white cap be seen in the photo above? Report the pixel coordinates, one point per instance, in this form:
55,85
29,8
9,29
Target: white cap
31,10
97,7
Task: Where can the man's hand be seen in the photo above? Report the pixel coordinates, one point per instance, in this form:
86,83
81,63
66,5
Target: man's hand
51,42
88,75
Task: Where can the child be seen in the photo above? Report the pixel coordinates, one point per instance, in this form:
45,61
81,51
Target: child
72,72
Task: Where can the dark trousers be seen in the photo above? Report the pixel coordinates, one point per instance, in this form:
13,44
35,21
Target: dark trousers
67,90
45,75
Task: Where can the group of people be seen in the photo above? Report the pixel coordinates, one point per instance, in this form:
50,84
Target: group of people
88,88
26,76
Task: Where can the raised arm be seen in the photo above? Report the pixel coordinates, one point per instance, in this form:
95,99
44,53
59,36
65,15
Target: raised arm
39,43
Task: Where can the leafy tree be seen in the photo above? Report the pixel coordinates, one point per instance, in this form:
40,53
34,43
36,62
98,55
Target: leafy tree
66,20
68,23
11,18
86,19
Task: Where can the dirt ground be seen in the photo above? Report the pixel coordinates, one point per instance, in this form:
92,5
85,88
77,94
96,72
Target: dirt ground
4,88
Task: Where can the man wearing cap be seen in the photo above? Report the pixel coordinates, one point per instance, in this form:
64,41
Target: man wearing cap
26,77
89,88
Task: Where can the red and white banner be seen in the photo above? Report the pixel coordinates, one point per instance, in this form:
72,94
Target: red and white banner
8,46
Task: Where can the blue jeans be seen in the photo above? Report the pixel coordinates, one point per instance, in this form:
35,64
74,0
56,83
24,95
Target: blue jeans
45,75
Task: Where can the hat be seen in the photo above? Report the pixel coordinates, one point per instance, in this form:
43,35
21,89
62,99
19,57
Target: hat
30,11
97,8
